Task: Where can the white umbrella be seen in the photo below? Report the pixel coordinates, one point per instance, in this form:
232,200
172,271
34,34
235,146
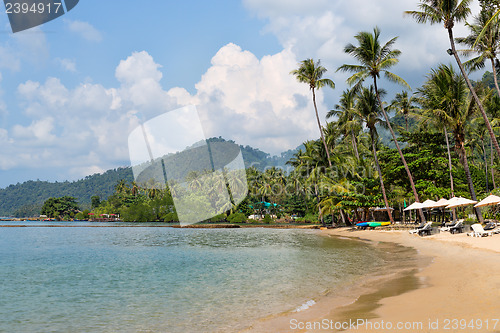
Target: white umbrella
461,202
415,205
441,203
489,200
428,203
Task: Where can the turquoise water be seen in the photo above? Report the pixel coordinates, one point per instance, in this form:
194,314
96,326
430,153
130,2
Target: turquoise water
150,279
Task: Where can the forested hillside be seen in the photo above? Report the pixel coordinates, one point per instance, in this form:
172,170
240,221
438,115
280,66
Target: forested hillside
26,199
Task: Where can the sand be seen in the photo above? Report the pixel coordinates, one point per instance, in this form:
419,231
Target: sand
455,288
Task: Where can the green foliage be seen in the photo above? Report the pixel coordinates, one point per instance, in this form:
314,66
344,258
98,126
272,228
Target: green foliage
267,219
138,212
218,218
309,218
95,201
237,218
60,208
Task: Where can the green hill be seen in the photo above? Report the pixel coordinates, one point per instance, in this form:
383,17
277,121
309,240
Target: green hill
26,199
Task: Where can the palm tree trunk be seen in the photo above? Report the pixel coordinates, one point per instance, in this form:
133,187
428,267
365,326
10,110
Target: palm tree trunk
415,194
318,201
465,163
449,161
321,129
492,169
382,187
495,79
485,164
354,145
453,211
451,173
474,95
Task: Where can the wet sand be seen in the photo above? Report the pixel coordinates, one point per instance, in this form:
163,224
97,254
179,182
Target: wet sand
454,286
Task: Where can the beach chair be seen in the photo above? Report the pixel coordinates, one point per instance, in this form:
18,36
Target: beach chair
478,231
420,227
492,227
450,225
426,230
457,228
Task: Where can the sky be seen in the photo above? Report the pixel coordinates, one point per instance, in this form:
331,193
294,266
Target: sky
73,89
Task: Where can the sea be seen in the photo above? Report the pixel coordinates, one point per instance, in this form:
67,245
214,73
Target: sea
82,278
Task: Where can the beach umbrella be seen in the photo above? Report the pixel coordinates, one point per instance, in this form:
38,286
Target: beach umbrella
461,202
488,201
415,205
441,203
428,203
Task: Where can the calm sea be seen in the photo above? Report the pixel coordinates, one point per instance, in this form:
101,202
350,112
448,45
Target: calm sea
151,279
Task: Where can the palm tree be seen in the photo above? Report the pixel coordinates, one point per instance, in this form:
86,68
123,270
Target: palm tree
448,12
375,59
404,105
456,111
347,123
368,111
437,98
487,46
311,72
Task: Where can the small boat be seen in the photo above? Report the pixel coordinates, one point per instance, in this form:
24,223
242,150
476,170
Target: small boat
377,224
362,224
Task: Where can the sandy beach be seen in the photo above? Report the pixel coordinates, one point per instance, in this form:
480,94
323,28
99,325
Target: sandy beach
458,290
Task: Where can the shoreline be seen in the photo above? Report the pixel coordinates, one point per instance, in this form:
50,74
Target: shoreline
458,286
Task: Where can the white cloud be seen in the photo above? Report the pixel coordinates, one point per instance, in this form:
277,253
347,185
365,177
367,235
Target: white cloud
254,101
40,132
321,29
67,64
85,30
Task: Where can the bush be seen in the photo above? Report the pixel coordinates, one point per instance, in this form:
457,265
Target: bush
237,218
310,218
218,218
267,219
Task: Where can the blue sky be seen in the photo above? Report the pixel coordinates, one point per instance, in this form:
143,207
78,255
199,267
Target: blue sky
73,89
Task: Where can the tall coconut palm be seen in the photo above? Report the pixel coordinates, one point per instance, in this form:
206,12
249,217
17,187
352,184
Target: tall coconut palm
311,72
456,111
448,12
404,105
368,111
374,59
437,98
486,47
348,124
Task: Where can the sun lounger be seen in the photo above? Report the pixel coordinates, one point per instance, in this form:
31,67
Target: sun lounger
426,226
449,226
420,226
457,228
478,231
426,230
490,226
